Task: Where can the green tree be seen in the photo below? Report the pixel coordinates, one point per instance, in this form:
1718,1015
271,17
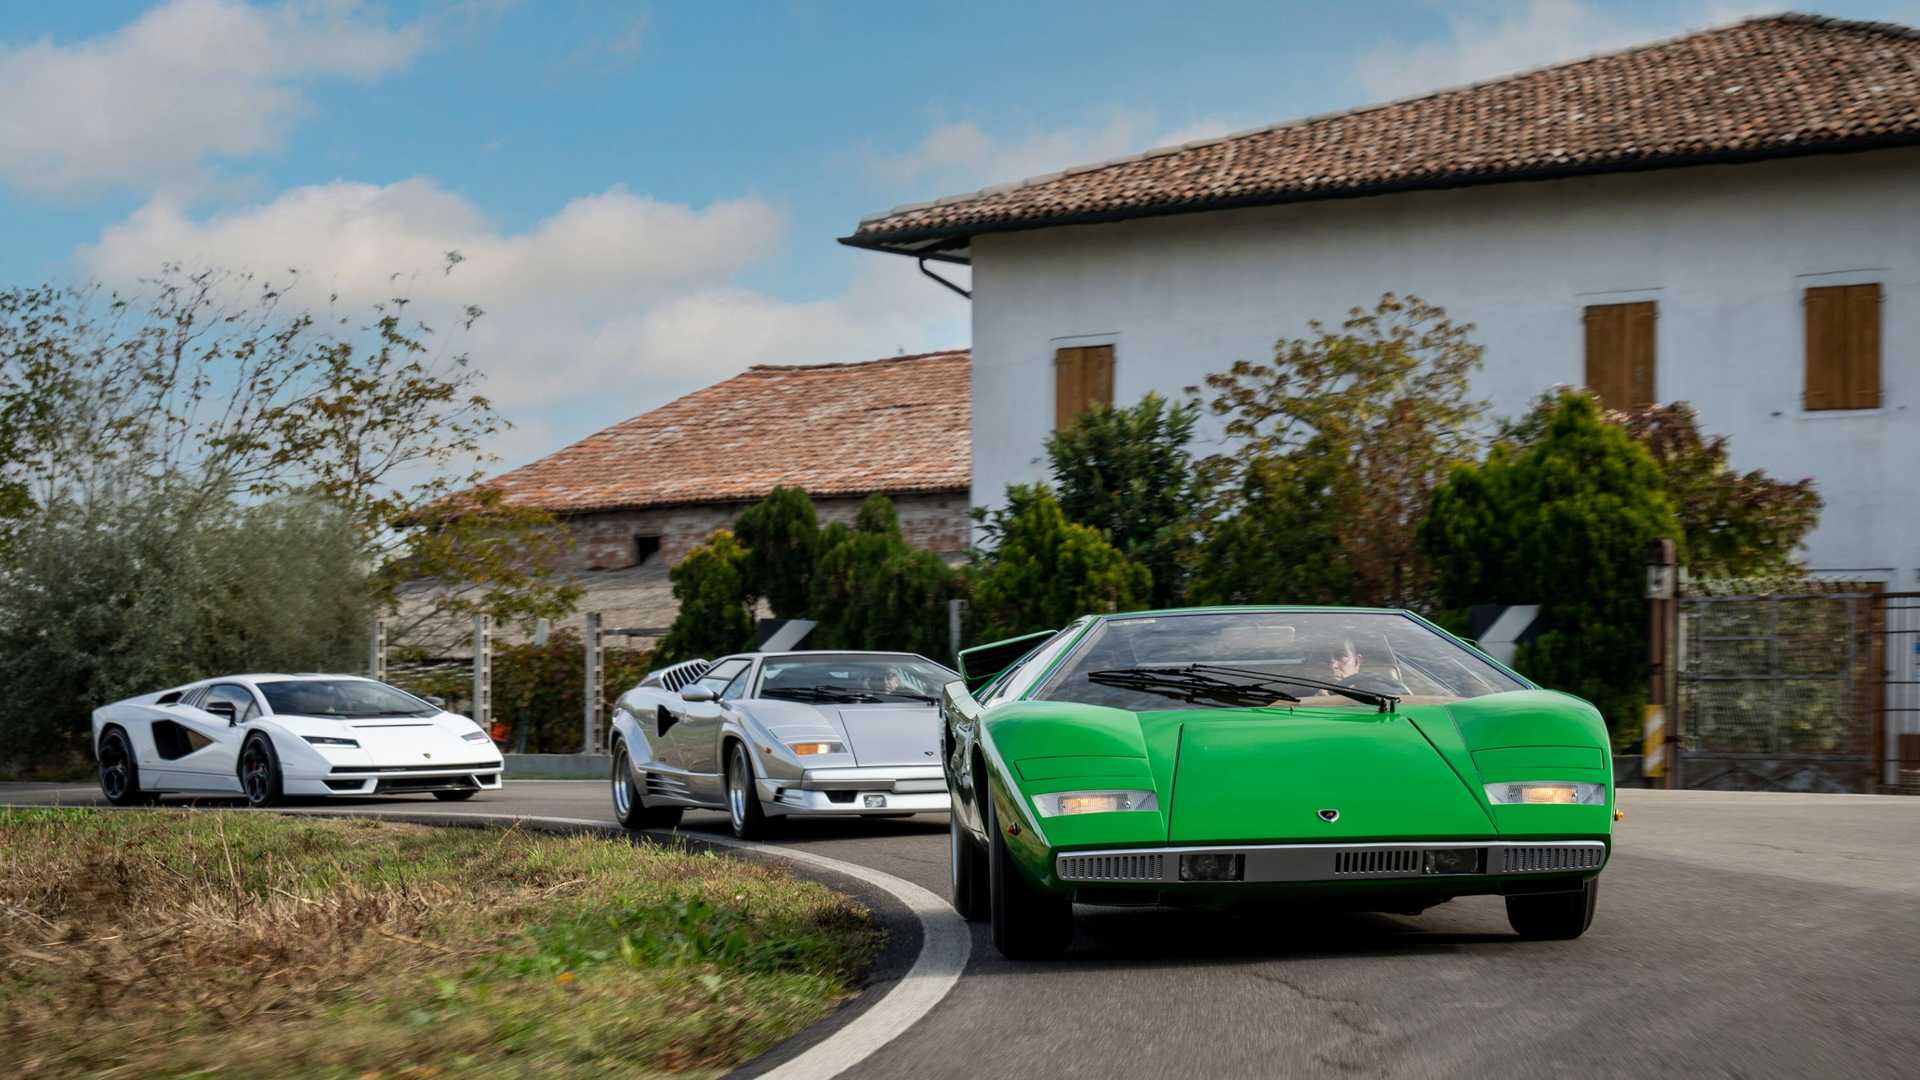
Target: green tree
873,590
1280,546
1127,472
716,610
782,535
114,599
1564,521
1382,401
1038,570
1732,524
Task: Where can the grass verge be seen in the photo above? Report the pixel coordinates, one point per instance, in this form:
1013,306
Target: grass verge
176,943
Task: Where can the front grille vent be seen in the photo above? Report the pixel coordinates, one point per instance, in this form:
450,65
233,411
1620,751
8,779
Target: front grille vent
1535,859
1112,867
1377,861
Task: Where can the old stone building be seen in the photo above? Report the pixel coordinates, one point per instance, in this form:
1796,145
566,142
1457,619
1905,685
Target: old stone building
638,496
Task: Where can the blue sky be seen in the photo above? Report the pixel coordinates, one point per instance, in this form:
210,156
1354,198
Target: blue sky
648,194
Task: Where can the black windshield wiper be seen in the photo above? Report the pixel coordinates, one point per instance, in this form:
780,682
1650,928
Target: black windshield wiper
1383,702
908,694
832,694
1190,685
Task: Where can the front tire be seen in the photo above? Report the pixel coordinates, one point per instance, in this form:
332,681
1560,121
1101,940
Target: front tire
260,773
454,796
743,804
629,809
967,877
1554,916
1028,924
119,772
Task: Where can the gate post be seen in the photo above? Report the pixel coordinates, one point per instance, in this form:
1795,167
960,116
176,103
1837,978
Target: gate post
590,724
377,650
1661,748
483,672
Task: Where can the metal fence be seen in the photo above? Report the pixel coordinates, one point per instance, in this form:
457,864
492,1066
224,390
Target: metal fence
1897,638
1782,691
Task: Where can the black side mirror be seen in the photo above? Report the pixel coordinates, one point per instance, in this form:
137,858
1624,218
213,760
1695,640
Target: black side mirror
226,709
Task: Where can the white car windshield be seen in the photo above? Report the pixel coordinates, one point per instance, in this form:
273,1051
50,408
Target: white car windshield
852,678
347,699
1240,659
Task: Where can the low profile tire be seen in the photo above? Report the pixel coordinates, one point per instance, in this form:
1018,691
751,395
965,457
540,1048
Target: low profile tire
454,796
260,773
967,876
1554,916
628,808
743,804
119,772
1027,924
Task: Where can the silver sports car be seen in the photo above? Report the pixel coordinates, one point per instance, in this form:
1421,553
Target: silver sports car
765,735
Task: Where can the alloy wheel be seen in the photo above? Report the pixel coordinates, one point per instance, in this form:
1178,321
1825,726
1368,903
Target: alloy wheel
737,787
255,773
623,785
113,766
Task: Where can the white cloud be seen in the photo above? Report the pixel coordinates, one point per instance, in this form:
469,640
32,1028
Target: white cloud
151,103
959,155
615,298
1530,34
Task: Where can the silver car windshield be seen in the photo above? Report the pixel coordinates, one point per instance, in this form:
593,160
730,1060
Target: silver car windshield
1165,661
346,699
852,678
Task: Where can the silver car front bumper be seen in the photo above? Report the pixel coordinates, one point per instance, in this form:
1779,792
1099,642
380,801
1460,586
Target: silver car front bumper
874,789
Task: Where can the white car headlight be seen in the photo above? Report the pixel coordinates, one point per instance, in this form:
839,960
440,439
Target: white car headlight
475,735
329,740
1547,792
1062,803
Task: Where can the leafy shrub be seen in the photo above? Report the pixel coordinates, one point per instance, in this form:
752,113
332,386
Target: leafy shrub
873,590
715,616
1041,571
1565,522
1127,472
542,688
782,536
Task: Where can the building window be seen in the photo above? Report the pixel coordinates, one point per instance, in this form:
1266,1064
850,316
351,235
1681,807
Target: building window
1843,347
1082,376
645,547
1620,359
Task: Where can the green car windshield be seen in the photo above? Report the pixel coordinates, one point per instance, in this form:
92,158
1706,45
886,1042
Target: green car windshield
1373,653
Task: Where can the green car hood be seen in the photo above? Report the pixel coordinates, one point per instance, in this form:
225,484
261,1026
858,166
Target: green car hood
1267,774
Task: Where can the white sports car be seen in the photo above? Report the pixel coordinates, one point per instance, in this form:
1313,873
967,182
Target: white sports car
767,735
272,736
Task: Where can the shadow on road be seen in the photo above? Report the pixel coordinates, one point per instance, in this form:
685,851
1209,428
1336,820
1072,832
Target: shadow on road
1132,936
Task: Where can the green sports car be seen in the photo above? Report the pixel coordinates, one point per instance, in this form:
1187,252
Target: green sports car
1358,758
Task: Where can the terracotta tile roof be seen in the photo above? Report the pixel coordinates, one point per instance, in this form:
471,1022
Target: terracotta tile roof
1775,86
896,425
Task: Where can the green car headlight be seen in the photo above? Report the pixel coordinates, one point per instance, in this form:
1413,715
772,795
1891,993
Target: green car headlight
1547,793
1062,803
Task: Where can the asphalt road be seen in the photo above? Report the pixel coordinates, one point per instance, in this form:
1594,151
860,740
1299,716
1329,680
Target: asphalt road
1738,935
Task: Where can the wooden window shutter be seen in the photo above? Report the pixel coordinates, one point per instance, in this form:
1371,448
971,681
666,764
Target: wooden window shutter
1863,346
1843,347
1081,377
1621,364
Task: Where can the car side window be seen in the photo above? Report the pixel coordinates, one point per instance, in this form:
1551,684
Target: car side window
245,708
722,675
737,688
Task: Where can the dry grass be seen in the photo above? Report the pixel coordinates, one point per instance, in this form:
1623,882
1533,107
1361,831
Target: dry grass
174,943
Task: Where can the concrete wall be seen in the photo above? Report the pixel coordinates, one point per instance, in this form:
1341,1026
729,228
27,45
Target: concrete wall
1725,251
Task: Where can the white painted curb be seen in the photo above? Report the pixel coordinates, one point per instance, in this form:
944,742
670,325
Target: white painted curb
945,945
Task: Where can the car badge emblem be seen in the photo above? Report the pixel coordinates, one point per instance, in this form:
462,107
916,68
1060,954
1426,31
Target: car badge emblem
1329,816
429,757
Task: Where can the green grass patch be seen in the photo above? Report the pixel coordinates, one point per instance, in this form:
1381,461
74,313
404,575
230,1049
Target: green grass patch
233,944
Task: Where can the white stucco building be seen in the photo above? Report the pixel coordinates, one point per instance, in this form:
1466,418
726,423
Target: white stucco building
1730,218
1657,223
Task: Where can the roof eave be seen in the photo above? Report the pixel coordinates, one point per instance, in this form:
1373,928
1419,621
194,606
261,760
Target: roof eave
914,241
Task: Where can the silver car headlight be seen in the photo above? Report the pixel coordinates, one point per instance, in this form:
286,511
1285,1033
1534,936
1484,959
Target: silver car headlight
1547,793
329,740
1063,803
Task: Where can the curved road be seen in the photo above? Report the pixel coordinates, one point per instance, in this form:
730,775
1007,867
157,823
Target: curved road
1738,935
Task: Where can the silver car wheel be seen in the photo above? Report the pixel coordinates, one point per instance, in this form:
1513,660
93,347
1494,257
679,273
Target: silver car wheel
623,785
739,777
